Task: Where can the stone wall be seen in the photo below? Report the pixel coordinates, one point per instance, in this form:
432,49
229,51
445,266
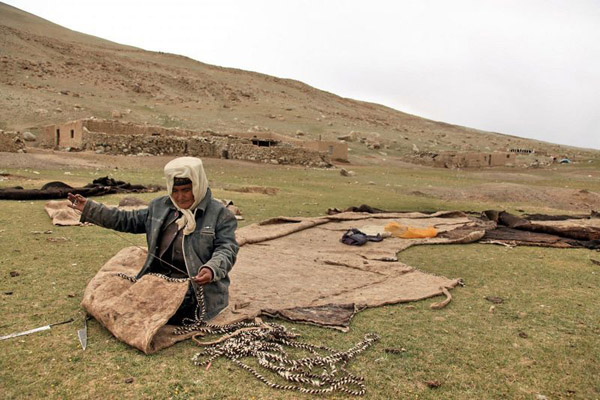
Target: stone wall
200,146
128,128
117,137
278,155
473,160
336,150
267,136
134,144
11,142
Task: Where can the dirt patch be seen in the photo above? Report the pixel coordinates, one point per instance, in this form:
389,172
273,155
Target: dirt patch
558,198
506,175
50,159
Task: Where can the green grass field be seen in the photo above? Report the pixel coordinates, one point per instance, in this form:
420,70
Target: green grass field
542,340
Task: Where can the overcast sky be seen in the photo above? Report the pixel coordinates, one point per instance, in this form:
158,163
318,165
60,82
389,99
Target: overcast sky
530,68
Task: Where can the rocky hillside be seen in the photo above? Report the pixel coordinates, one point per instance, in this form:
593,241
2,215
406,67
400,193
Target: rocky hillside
50,74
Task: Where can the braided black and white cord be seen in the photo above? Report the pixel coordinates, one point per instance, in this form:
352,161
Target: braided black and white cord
133,279
266,342
317,374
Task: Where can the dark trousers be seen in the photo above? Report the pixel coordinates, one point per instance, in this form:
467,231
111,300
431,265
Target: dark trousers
187,309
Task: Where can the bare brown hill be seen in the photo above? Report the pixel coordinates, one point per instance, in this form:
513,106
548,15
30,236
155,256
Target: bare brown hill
50,74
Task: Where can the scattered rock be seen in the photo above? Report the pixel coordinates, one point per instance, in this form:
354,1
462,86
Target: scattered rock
395,351
128,380
344,172
415,149
299,133
116,114
433,384
595,261
28,136
351,137
495,300
14,274
8,293
523,335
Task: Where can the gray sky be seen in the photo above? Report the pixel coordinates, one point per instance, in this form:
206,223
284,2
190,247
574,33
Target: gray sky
530,68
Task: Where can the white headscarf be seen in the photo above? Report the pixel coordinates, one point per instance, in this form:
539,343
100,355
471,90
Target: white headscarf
191,168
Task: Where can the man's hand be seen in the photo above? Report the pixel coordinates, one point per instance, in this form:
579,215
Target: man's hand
77,201
204,276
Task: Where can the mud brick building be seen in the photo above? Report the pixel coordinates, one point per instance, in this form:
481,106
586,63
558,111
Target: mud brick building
474,159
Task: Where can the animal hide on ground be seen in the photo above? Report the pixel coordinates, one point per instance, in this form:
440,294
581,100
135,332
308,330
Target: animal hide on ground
562,231
59,190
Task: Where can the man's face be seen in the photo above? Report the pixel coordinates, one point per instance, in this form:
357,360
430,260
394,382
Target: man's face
183,196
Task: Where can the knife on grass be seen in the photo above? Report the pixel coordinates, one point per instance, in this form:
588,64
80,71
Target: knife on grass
82,333
41,328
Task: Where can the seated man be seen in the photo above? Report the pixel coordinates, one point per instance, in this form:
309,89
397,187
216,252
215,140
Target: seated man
189,235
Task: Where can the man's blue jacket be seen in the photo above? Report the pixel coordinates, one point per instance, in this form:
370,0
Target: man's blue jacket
212,244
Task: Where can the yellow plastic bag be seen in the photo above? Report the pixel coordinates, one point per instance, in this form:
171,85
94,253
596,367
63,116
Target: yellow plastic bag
409,232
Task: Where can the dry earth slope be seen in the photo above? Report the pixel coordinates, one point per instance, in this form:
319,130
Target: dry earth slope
50,74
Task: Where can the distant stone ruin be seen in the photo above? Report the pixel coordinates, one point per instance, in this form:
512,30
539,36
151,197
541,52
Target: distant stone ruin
473,159
116,137
11,142
522,151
